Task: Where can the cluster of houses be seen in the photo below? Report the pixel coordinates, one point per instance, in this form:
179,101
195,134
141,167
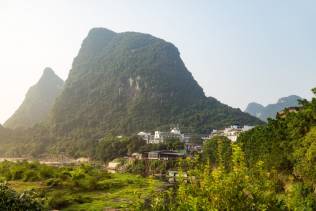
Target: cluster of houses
231,132
160,137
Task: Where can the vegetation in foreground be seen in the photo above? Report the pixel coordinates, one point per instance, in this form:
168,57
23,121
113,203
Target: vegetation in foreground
272,167
72,188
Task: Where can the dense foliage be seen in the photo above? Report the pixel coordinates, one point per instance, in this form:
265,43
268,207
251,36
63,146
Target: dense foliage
218,152
208,188
11,200
241,188
280,141
73,188
84,177
272,167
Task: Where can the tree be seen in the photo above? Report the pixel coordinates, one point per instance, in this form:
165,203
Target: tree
174,144
208,188
305,157
135,144
111,147
218,151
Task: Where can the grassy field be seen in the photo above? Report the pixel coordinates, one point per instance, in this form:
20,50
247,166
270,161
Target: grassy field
80,188
134,191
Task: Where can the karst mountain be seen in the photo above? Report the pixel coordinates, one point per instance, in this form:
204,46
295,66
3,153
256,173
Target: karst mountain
38,101
128,82
270,111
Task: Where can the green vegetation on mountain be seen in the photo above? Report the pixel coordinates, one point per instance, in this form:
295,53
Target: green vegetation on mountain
271,110
119,84
38,102
129,82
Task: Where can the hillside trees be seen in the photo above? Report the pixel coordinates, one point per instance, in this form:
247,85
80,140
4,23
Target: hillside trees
218,151
208,188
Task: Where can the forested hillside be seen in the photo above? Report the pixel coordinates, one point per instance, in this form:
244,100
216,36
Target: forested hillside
129,82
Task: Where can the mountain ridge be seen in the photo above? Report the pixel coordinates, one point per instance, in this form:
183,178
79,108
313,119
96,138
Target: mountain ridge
270,110
130,81
38,101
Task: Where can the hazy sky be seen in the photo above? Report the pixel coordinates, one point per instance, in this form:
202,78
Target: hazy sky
238,51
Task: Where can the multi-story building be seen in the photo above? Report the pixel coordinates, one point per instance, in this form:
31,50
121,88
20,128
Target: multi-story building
161,137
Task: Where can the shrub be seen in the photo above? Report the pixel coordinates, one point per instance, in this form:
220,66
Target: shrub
110,184
59,200
30,176
54,182
11,200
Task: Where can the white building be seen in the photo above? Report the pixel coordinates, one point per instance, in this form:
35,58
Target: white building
231,132
161,137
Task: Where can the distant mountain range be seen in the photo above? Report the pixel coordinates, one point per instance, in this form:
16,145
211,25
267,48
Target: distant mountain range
270,111
38,101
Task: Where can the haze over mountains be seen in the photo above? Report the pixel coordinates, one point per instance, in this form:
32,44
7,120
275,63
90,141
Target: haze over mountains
121,84
270,111
38,101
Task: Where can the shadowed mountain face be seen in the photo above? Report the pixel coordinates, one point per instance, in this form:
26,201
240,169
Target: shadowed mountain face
38,101
271,110
127,82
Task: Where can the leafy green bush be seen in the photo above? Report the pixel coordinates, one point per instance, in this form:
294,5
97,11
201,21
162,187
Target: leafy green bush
208,188
54,182
110,184
218,151
31,176
58,200
11,200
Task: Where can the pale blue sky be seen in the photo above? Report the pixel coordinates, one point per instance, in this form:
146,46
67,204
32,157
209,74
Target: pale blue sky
238,51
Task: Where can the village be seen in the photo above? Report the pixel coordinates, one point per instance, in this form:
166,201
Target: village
190,148
121,164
